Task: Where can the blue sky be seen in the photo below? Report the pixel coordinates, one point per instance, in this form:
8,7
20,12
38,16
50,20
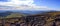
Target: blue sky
4,0
49,3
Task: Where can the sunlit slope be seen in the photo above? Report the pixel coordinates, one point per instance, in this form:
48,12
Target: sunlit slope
15,15
49,17
52,17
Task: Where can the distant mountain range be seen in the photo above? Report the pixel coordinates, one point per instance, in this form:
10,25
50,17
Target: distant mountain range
5,13
26,12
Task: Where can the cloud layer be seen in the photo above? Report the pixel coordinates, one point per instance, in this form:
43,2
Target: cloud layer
22,5
17,2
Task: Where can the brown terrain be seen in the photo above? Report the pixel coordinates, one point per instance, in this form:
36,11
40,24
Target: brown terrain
45,19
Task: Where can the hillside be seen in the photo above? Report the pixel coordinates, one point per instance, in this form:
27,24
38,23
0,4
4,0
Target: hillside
50,17
42,19
10,14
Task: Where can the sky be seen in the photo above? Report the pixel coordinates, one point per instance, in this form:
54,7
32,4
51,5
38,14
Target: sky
31,4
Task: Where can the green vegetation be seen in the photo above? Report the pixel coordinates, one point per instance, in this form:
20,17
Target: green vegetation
13,15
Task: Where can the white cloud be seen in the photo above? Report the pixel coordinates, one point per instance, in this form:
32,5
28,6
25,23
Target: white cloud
17,2
25,7
22,5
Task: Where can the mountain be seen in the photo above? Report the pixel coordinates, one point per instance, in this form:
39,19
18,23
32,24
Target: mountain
41,17
5,12
28,12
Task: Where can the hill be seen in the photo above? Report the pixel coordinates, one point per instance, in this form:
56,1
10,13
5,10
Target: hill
10,14
44,18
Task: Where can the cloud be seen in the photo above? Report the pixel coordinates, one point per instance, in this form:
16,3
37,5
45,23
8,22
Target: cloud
25,7
22,5
17,2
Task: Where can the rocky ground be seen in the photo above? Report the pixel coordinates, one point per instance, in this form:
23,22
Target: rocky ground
46,19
